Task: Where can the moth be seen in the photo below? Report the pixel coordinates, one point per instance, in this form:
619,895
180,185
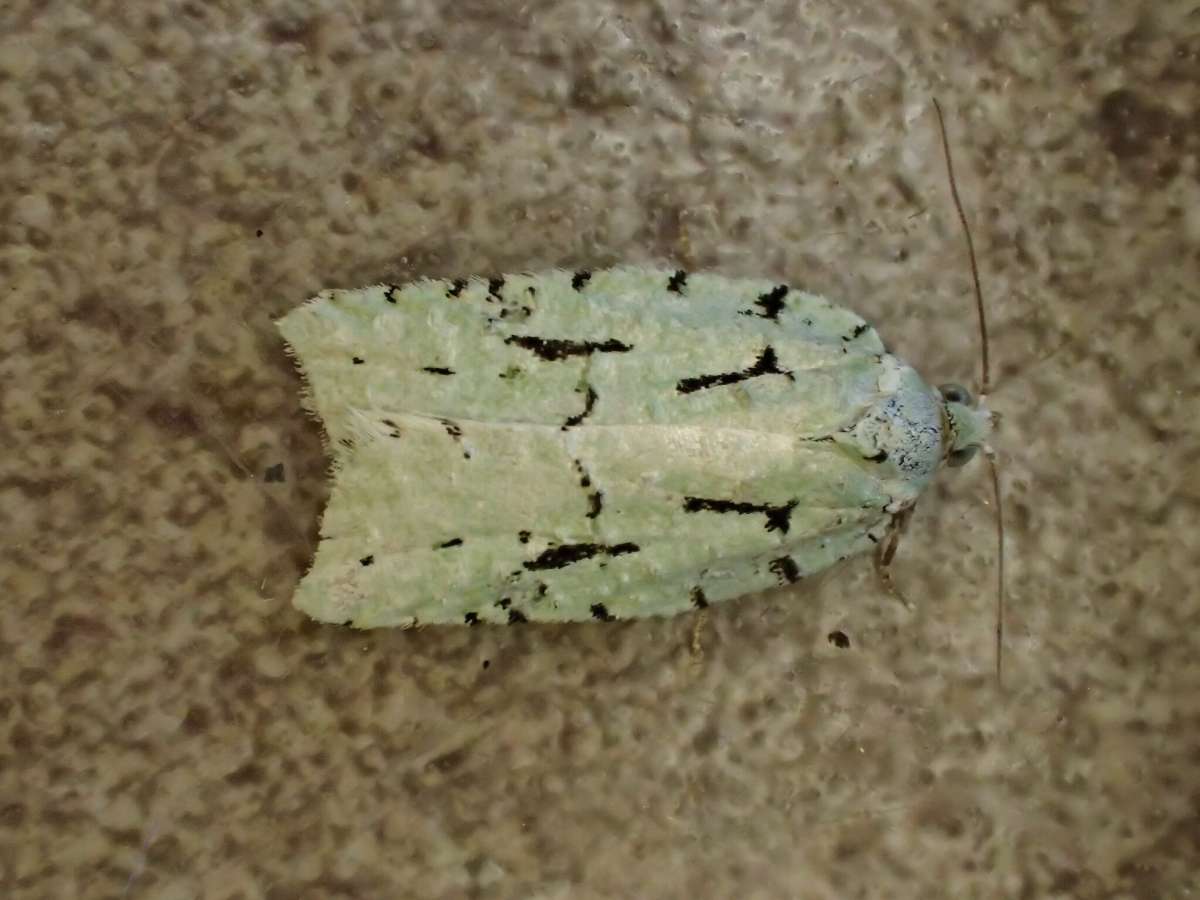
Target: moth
605,444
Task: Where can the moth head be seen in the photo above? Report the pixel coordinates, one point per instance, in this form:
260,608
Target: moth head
968,421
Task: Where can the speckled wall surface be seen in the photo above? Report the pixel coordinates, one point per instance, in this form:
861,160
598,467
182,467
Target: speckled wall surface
175,175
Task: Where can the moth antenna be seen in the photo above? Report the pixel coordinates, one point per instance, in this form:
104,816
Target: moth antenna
984,389
986,381
991,458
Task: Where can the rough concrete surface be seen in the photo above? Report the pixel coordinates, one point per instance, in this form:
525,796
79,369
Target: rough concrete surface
176,174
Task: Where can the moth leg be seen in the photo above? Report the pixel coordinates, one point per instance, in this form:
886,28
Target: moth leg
697,648
885,551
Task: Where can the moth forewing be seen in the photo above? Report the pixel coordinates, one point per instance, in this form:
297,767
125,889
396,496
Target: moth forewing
635,443
609,444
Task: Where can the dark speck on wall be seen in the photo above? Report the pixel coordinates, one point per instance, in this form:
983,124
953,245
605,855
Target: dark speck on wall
839,639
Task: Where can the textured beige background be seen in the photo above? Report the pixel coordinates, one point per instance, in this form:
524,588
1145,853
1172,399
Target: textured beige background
174,175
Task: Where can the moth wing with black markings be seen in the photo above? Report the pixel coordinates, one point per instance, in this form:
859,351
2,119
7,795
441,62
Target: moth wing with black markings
597,445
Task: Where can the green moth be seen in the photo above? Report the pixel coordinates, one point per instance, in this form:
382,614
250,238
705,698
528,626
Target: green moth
609,444
603,444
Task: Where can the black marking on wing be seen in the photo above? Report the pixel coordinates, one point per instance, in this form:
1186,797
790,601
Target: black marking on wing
524,536
557,348
495,286
367,560
541,591
565,554
589,403
455,431
585,480
437,370
357,360
457,286
770,304
390,294
698,599
778,517
677,282
395,432
839,639
858,330
580,278
471,618
786,569
515,617
453,542
274,473
600,611
595,498
522,313
766,364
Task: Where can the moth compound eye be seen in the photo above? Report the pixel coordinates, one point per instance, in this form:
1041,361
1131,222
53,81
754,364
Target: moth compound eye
961,456
956,393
